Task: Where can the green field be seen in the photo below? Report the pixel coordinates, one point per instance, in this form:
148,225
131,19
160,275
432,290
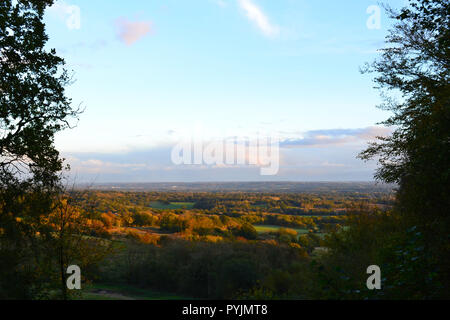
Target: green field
172,205
272,228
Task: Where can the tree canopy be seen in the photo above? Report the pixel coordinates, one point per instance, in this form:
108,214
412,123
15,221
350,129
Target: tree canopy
413,76
33,104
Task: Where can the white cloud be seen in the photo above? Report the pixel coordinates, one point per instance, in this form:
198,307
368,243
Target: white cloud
94,166
256,15
335,137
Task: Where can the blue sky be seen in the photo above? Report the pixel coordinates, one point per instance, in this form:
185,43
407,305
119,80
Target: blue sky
150,73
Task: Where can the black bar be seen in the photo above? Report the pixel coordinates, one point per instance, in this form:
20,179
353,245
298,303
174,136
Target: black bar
203,309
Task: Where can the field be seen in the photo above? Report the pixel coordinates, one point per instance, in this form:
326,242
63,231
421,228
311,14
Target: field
215,245
271,228
171,206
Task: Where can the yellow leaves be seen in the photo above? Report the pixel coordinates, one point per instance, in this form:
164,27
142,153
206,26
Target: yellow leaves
143,237
213,239
241,239
288,232
295,245
271,242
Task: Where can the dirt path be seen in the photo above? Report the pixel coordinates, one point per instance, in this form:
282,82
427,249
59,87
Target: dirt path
110,295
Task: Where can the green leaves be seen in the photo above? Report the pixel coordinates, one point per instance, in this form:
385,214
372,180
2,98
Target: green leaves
414,67
33,105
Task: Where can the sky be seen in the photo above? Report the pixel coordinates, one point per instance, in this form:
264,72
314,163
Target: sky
153,74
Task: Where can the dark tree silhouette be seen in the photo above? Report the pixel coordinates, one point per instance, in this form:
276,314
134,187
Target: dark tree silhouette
414,67
413,74
33,107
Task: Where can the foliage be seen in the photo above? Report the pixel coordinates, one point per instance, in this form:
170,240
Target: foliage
414,69
198,269
33,105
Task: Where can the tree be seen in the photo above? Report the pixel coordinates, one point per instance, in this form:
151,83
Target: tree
68,242
33,107
413,76
415,67
247,231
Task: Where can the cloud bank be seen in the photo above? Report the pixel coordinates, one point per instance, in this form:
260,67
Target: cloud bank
319,155
334,137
